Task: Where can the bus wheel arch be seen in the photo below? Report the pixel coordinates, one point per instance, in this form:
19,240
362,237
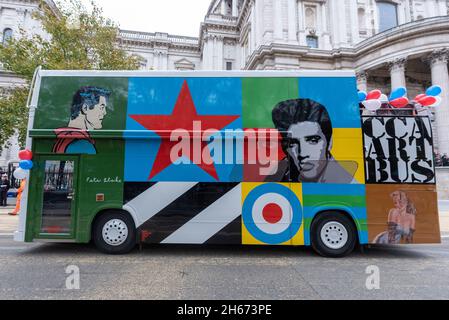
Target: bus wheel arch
114,231
333,233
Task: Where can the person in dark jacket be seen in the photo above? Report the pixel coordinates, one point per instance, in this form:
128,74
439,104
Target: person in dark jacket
4,187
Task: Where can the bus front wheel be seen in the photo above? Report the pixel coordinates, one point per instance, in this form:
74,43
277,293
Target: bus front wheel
333,235
114,232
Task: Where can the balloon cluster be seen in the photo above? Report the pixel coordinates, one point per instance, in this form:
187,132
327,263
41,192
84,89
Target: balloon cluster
24,165
431,98
374,100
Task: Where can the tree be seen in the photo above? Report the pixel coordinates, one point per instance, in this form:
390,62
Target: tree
78,39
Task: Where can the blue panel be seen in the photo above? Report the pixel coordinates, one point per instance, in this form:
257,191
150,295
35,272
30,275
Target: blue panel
338,95
158,96
357,213
333,189
81,147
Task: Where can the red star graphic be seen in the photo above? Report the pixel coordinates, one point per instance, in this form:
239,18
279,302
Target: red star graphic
183,117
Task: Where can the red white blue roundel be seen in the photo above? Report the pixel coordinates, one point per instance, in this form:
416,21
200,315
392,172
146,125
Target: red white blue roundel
272,213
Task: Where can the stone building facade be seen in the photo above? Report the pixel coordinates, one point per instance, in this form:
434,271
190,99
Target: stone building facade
389,43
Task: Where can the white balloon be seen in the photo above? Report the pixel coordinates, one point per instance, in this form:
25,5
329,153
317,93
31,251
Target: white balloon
383,98
439,100
20,174
372,105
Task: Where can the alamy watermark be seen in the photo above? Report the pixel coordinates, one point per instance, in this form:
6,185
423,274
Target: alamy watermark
72,281
260,146
373,279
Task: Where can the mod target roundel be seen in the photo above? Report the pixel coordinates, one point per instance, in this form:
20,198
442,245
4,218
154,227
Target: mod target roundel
272,213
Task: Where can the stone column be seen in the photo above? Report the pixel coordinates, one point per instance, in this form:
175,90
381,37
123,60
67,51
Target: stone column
326,36
220,48
408,16
223,7
253,34
259,16
157,60
235,12
362,81
397,72
442,10
292,32
214,54
341,23
355,28
334,21
207,54
165,57
438,65
277,23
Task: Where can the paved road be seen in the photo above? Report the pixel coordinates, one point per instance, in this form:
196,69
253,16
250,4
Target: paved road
37,271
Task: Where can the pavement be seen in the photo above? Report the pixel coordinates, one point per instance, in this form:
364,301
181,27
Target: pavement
42,271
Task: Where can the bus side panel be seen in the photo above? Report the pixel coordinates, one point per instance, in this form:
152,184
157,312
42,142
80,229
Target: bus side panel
400,174
403,214
186,212
347,198
101,187
100,150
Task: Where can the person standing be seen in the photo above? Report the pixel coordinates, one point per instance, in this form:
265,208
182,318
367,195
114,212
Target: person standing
19,198
4,187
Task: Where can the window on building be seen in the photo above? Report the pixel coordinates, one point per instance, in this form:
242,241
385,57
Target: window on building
7,35
312,41
228,65
388,15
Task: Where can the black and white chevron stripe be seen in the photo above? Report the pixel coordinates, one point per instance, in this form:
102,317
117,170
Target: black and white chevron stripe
186,212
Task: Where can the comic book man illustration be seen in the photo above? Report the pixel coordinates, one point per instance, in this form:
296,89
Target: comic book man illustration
88,109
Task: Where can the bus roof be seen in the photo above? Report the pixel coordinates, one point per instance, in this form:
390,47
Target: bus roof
198,74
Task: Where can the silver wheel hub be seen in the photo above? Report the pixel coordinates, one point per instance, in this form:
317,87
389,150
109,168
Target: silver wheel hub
115,232
334,235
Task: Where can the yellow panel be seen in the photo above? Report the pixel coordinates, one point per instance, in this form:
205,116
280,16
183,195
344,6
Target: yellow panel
348,149
247,238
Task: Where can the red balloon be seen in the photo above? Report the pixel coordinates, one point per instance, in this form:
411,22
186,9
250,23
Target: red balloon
374,95
427,101
25,155
399,102
420,96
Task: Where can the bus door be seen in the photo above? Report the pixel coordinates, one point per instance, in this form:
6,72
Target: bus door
55,187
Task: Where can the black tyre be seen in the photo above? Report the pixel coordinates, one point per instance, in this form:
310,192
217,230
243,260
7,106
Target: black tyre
333,235
114,233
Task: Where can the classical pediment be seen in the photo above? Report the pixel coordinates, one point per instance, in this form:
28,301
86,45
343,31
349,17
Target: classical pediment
184,64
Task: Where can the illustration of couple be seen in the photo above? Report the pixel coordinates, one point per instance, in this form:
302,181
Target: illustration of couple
401,221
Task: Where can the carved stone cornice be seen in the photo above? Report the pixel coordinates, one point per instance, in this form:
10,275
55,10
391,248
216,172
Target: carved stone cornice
397,64
437,56
212,37
362,76
230,42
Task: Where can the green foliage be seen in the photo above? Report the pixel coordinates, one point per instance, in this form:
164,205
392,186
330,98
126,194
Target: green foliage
78,39
13,115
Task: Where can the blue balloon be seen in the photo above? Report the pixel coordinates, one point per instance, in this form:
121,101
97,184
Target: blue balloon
362,96
398,93
26,164
434,91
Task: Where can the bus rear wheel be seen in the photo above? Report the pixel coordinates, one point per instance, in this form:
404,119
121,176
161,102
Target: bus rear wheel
114,233
333,235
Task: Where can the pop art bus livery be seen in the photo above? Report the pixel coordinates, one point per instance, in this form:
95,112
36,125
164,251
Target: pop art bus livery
251,158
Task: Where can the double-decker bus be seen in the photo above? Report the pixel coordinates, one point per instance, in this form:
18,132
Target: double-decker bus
251,158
